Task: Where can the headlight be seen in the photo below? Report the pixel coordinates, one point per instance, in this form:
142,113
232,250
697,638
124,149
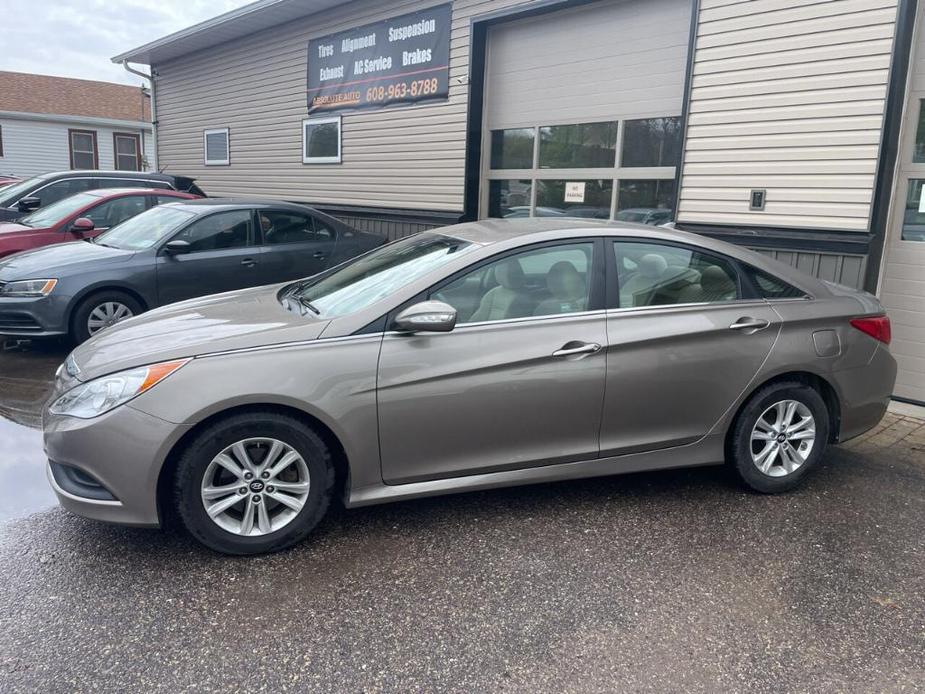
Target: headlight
103,394
28,288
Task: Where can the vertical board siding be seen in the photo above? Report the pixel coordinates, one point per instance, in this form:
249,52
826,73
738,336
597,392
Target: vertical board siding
399,157
32,147
787,96
843,268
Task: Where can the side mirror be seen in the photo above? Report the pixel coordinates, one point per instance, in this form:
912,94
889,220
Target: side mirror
82,225
29,204
176,247
427,316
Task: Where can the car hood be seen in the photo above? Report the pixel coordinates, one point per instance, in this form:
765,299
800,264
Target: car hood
8,213
234,320
61,258
13,228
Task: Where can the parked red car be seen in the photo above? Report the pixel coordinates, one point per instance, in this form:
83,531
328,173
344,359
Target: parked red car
81,216
6,180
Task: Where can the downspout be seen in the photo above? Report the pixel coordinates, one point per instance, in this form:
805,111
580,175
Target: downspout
150,78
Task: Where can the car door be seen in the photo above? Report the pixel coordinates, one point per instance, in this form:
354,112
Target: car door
293,245
111,212
684,341
519,382
221,257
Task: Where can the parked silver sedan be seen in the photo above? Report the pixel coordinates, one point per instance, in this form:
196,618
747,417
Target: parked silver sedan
482,355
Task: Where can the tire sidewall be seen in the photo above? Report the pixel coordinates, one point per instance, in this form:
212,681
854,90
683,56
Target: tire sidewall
79,330
196,459
741,444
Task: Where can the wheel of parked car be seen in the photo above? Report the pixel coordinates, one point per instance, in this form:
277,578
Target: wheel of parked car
102,310
253,483
779,436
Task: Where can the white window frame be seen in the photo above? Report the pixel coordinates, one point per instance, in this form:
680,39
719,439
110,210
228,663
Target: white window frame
321,120
205,148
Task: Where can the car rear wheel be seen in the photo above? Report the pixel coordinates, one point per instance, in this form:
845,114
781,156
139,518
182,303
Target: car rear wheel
103,310
254,483
779,436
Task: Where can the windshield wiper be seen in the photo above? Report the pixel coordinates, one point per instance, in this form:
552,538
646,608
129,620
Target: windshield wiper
309,305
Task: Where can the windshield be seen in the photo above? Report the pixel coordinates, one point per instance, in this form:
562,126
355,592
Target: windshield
11,193
57,211
146,229
376,275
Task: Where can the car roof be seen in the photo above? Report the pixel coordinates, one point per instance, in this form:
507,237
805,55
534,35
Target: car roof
113,192
204,205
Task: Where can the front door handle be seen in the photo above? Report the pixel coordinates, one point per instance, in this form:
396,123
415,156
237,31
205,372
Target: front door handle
248,262
570,349
750,324
319,255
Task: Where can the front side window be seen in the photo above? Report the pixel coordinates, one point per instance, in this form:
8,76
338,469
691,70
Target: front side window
539,282
291,227
377,275
62,189
127,151
654,274
218,232
321,140
113,212
84,150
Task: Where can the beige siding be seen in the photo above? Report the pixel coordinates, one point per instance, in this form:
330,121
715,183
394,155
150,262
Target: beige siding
787,96
397,157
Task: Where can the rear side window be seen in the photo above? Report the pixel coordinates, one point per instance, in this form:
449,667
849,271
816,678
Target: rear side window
655,274
63,189
770,287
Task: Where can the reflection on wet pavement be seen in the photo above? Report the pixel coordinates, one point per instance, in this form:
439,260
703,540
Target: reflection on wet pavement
26,375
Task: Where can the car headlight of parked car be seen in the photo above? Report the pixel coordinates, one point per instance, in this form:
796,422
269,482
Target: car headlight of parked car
103,394
28,288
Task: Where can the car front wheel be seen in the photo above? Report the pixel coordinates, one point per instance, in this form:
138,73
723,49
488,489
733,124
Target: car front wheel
102,310
253,483
779,436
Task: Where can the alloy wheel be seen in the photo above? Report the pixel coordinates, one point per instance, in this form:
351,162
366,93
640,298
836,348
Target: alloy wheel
783,438
107,314
255,487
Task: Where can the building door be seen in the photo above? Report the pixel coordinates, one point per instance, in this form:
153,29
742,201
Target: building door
902,281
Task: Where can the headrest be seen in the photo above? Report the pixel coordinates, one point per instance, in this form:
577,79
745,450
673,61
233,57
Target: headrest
652,265
565,282
715,280
510,275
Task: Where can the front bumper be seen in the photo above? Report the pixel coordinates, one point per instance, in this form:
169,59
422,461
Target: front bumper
30,317
124,450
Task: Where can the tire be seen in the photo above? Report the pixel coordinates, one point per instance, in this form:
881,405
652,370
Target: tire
80,328
199,475
799,447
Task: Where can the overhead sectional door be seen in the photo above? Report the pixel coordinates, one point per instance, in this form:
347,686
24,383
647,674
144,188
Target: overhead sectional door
581,110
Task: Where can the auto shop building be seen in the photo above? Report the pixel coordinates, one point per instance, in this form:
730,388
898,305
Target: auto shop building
791,126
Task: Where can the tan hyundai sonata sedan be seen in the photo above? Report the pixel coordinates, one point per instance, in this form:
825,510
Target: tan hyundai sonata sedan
482,355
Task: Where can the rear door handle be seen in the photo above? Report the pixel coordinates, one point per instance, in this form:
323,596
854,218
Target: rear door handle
248,262
572,348
753,324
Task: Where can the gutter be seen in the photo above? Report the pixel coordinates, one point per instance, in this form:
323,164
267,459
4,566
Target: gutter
150,78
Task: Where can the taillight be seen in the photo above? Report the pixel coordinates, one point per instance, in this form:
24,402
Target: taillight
878,327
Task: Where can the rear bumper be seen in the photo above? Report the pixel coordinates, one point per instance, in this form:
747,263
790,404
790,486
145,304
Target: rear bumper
865,393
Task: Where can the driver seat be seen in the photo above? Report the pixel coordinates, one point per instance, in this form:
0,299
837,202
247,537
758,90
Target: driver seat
509,299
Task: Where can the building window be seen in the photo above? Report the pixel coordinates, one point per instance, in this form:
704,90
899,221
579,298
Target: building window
1,140
84,149
126,151
512,149
652,142
510,198
582,146
645,194
216,147
574,198
321,140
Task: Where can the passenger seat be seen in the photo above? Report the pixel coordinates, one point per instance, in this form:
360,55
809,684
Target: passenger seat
567,286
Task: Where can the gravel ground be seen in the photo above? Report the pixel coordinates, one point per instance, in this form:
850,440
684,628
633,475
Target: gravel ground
666,581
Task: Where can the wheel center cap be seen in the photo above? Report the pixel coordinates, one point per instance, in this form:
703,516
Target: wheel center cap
256,486
781,438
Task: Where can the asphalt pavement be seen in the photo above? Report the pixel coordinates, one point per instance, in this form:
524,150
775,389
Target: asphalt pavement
668,581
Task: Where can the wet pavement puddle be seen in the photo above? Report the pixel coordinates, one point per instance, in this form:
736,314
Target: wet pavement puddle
26,376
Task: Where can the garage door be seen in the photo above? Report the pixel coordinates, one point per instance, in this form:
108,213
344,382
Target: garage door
582,111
